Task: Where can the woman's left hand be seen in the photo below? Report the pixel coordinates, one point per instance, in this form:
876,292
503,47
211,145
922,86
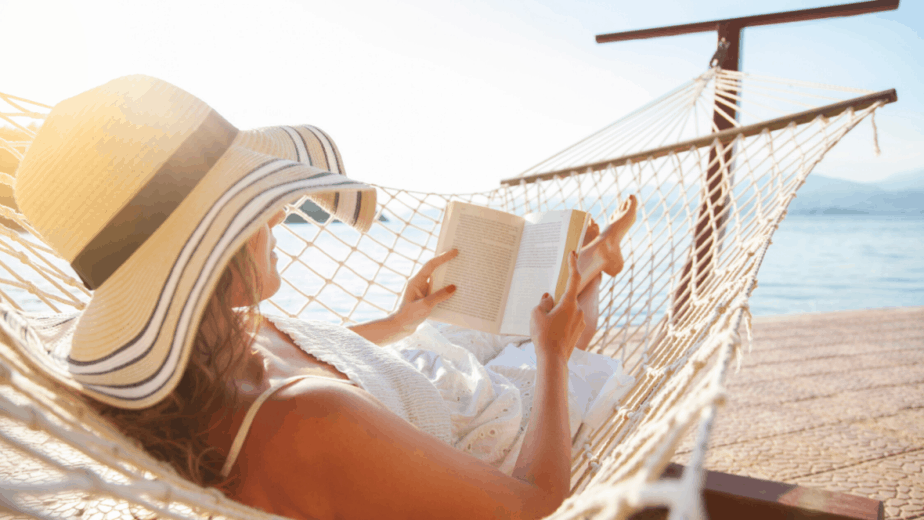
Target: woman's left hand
418,302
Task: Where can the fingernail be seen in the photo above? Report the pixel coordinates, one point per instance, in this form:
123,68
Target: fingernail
546,295
451,288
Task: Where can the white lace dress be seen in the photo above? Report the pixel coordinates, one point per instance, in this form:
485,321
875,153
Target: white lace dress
486,381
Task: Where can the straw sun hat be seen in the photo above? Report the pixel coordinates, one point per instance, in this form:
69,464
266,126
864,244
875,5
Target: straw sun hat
148,193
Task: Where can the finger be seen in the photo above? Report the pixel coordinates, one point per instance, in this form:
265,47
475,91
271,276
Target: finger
574,279
546,303
541,311
437,261
440,296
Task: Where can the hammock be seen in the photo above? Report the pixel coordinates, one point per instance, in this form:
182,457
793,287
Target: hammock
709,202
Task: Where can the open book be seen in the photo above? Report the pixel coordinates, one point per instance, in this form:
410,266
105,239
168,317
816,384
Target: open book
504,266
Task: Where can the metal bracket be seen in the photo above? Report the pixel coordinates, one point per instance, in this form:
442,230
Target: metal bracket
719,57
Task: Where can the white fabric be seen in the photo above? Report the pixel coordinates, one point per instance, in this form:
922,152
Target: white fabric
595,383
485,408
379,371
487,381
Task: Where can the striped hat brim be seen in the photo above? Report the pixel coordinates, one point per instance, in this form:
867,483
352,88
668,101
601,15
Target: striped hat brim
309,145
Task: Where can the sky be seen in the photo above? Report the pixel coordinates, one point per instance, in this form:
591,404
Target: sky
451,97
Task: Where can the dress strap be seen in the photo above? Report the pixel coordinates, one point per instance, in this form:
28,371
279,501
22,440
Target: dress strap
252,413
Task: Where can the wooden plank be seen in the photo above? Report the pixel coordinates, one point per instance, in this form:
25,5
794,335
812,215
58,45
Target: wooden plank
726,136
752,21
734,497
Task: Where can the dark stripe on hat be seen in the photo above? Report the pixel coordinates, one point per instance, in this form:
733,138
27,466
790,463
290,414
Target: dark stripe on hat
333,147
322,137
359,205
298,156
151,206
298,153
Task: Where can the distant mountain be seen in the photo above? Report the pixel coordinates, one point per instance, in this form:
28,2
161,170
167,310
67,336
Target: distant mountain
899,201
820,193
904,181
899,194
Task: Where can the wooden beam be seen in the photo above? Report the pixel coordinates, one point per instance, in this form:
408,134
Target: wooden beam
735,497
710,220
726,136
752,21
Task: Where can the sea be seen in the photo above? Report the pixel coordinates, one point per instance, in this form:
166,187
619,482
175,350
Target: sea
825,263
817,263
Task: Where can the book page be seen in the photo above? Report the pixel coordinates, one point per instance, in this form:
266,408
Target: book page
487,241
537,267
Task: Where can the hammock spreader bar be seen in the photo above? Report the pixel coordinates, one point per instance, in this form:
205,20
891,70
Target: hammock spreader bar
725,136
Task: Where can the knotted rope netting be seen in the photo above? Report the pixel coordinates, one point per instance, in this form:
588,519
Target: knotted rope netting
709,202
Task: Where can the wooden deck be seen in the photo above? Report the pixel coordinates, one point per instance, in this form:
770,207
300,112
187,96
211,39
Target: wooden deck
833,401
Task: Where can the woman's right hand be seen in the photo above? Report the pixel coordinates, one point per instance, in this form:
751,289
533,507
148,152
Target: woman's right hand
555,328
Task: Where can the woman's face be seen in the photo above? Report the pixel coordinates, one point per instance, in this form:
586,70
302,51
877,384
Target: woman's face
261,246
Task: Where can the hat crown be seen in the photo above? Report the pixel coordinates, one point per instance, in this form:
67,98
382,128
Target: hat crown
95,151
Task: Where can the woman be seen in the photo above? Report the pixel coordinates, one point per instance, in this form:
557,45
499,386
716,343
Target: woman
165,210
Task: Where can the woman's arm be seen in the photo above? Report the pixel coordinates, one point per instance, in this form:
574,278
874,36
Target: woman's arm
416,304
384,331
546,454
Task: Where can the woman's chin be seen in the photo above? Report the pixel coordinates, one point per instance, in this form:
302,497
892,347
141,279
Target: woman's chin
272,288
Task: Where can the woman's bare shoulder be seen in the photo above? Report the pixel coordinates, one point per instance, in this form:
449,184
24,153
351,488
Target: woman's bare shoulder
312,407
294,443
322,397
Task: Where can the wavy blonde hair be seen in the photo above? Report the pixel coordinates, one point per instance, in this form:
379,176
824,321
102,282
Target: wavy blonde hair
175,430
